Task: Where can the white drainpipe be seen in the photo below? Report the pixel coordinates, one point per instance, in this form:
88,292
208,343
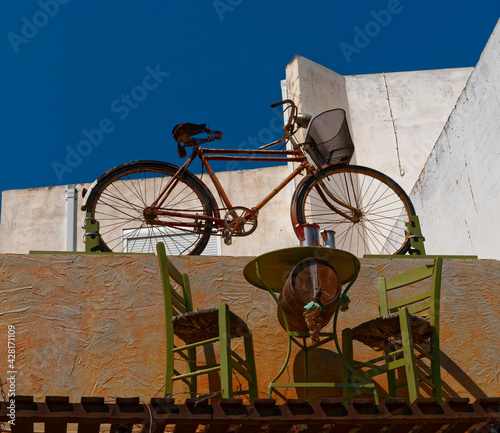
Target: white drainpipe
71,203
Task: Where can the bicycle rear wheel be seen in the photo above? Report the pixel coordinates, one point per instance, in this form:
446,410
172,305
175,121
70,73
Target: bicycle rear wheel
121,197
382,209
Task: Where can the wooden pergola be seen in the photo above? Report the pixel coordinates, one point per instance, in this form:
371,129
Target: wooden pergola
94,414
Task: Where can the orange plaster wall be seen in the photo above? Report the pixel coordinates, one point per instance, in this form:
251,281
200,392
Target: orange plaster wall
93,324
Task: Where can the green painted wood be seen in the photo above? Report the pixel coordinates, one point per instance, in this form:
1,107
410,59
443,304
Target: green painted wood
411,300
225,352
347,351
432,256
409,355
382,296
169,328
416,237
425,303
192,367
436,294
421,308
391,382
436,367
92,237
252,369
370,386
180,301
409,277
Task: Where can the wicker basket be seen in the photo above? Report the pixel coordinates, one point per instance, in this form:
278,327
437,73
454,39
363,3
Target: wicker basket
328,140
200,325
384,333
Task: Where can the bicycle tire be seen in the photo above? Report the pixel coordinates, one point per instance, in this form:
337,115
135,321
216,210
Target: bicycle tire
120,196
383,209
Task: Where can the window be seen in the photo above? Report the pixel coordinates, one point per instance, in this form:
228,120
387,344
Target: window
144,240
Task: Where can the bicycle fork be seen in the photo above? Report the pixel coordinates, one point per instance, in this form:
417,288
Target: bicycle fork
322,189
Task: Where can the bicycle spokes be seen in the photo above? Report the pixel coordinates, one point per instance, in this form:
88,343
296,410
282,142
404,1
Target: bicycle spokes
365,208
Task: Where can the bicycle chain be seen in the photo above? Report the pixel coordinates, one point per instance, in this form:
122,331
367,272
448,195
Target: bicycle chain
221,234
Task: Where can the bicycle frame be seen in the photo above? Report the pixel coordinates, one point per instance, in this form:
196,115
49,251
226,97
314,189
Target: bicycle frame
329,194
206,155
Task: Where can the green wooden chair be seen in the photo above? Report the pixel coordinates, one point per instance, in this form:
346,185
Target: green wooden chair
200,327
407,332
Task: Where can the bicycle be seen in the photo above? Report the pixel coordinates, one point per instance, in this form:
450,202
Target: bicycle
140,203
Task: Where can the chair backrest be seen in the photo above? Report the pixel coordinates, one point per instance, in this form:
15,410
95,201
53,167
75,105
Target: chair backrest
422,302
176,301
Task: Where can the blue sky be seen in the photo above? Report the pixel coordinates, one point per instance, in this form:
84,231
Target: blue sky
119,74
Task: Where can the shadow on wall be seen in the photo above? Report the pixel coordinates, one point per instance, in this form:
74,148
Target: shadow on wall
331,371
461,377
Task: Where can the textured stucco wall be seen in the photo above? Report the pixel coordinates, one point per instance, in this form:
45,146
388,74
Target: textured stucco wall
457,191
93,324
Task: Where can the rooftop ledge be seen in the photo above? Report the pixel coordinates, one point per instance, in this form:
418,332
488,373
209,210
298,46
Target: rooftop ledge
229,415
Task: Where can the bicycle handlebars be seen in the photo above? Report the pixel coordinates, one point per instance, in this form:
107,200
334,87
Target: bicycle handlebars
183,133
301,120
278,103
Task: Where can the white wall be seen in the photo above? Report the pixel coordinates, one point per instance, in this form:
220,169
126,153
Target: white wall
315,88
274,228
396,118
458,190
35,218
411,107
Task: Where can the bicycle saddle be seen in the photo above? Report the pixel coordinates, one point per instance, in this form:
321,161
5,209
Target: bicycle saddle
188,129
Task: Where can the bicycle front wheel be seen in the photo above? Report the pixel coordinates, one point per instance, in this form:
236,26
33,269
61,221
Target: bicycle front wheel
121,200
374,220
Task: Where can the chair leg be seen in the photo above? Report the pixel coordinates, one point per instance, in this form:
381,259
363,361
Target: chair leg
250,359
391,382
169,372
436,367
191,367
226,376
409,355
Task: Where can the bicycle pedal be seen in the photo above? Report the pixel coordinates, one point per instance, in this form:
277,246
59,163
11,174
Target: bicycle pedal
228,240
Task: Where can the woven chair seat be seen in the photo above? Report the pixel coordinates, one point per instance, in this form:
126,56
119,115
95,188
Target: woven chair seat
384,333
202,325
